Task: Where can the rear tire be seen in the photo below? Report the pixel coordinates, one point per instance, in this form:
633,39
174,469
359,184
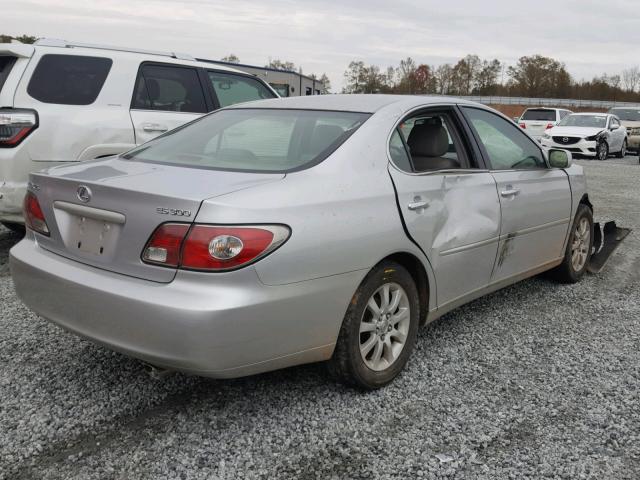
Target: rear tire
578,251
377,335
14,227
623,151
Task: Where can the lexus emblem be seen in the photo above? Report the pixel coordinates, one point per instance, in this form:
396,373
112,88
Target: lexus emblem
565,139
83,193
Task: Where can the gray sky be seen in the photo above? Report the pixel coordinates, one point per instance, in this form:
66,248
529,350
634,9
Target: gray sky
325,35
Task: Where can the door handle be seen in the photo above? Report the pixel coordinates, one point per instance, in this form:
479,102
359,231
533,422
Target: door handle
510,192
154,127
418,205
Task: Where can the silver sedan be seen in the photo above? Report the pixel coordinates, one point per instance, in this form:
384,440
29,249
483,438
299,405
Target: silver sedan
282,232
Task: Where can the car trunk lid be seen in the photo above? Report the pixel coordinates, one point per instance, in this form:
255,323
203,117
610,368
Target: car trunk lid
102,213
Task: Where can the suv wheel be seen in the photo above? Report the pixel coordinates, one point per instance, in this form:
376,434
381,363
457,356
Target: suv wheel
379,329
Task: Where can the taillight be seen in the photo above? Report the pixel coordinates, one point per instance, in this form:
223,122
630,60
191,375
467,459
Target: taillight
212,247
523,125
549,125
33,215
163,248
16,125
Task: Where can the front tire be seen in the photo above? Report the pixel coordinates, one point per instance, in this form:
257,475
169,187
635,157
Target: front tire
379,329
623,151
578,251
602,150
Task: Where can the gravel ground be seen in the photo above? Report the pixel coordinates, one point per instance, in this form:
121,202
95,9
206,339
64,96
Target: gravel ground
535,381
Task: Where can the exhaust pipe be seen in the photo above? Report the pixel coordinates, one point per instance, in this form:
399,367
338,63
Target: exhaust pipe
157,373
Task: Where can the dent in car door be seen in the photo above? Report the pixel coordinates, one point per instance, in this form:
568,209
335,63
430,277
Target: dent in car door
457,226
166,97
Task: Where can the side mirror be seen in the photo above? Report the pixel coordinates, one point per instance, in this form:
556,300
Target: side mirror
614,127
560,158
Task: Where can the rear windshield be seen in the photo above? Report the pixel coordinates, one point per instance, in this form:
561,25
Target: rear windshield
257,140
595,121
5,67
539,114
69,79
630,114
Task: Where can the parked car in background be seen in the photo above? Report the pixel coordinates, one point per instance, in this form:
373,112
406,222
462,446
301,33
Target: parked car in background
536,120
588,134
630,119
69,102
299,230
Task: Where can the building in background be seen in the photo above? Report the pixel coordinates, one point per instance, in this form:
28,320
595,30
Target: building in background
286,83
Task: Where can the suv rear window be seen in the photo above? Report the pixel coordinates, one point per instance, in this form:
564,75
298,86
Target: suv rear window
255,140
169,88
5,67
69,79
539,114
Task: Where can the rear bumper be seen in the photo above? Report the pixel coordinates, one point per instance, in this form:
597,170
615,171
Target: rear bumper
224,325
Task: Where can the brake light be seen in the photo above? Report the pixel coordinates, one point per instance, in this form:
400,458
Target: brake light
16,125
163,248
212,247
33,215
523,125
549,125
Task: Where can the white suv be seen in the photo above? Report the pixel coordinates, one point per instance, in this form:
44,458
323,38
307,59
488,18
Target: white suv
536,120
64,102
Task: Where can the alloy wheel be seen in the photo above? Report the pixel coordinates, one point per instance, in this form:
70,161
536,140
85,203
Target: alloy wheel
384,326
603,151
580,245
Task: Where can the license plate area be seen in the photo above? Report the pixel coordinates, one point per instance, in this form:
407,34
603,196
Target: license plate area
90,235
88,232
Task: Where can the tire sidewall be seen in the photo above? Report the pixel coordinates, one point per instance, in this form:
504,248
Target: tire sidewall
386,273
606,145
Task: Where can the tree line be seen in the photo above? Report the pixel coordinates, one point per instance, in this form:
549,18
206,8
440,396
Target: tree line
532,76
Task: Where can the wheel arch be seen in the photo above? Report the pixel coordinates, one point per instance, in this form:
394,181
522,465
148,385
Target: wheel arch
421,277
585,201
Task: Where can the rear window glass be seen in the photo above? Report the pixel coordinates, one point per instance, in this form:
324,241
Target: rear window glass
539,114
5,67
231,89
264,140
170,89
69,79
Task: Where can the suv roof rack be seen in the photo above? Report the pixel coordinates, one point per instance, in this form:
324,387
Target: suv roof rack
54,42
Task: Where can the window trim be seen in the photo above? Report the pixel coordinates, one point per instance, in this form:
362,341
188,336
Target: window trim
45,55
461,130
207,100
485,154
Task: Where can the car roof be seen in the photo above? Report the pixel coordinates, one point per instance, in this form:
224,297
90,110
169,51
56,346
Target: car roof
364,103
599,114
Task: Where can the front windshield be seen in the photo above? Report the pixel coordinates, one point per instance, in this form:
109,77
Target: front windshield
595,121
253,139
631,114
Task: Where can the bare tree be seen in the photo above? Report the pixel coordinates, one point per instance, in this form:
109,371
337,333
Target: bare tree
231,58
443,76
631,78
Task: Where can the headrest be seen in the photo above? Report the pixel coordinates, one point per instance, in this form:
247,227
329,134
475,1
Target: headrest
153,88
428,140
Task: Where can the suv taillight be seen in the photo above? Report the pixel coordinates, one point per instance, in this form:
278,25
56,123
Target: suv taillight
212,247
549,125
33,215
523,125
16,125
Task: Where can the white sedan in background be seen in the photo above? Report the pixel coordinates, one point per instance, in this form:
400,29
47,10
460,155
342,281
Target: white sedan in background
594,135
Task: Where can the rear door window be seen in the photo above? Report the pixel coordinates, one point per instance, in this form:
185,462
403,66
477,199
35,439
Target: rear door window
69,79
169,88
6,63
540,114
231,89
